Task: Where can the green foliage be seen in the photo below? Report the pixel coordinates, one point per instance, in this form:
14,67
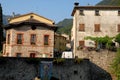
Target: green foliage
117,38
65,26
58,61
110,2
106,40
116,65
78,60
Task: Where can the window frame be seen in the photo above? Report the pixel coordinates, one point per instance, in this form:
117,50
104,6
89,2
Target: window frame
18,54
34,38
97,12
32,55
8,39
97,28
82,43
82,12
82,27
46,43
118,28
20,39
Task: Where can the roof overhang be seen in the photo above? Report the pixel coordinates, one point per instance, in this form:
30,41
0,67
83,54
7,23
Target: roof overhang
94,8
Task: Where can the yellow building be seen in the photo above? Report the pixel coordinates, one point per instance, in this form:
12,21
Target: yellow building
60,42
29,35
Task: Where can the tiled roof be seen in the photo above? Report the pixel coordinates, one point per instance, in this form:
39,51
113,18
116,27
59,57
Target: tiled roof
30,22
95,7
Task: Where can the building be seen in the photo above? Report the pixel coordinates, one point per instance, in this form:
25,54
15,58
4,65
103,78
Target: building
29,35
60,42
95,21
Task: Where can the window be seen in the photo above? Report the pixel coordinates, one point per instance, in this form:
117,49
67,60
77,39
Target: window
19,38
81,43
118,12
118,27
97,13
33,39
81,27
32,55
97,27
8,39
81,12
18,55
46,37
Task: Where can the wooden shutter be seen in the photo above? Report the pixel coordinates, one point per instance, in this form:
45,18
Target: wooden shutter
97,27
81,43
118,27
81,27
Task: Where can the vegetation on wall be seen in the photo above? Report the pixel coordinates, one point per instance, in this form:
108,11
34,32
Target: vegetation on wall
107,41
117,38
116,65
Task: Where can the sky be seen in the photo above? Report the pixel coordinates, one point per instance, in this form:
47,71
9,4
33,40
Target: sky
56,10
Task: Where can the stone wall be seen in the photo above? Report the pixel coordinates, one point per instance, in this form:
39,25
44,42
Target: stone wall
103,58
29,68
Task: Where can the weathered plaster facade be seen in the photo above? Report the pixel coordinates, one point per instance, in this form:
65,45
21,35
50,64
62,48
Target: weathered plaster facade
108,21
39,49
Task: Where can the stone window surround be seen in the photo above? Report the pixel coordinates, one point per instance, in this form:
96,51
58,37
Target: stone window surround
17,39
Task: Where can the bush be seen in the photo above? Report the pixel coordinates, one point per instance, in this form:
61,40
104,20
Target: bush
116,65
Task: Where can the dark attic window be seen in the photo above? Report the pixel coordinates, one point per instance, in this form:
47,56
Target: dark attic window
81,12
118,12
33,27
97,13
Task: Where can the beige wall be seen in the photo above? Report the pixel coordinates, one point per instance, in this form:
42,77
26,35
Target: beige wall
27,16
26,48
108,21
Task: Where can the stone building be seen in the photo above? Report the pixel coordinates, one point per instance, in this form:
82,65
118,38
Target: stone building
60,42
29,35
95,21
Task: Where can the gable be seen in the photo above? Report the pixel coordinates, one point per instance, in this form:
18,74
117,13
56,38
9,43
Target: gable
28,16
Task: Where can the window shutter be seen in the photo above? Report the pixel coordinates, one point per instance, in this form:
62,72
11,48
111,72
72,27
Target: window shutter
97,27
81,43
118,27
81,27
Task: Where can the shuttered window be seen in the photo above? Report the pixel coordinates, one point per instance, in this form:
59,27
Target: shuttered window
118,27
19,38
97,27
81,43
81,27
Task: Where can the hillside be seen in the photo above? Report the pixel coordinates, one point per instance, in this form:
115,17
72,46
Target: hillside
65,26
109,2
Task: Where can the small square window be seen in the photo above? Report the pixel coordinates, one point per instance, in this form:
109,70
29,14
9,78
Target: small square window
81,12
97,13
81,27
18,55
118,12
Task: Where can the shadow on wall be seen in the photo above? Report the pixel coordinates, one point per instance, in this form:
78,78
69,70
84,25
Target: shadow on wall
28,69
98,73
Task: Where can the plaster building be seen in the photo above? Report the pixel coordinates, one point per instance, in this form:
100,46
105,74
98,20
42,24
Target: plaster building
29,35
95,21
60,42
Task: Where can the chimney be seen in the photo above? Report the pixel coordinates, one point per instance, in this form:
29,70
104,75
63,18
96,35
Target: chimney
13,14
76,3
